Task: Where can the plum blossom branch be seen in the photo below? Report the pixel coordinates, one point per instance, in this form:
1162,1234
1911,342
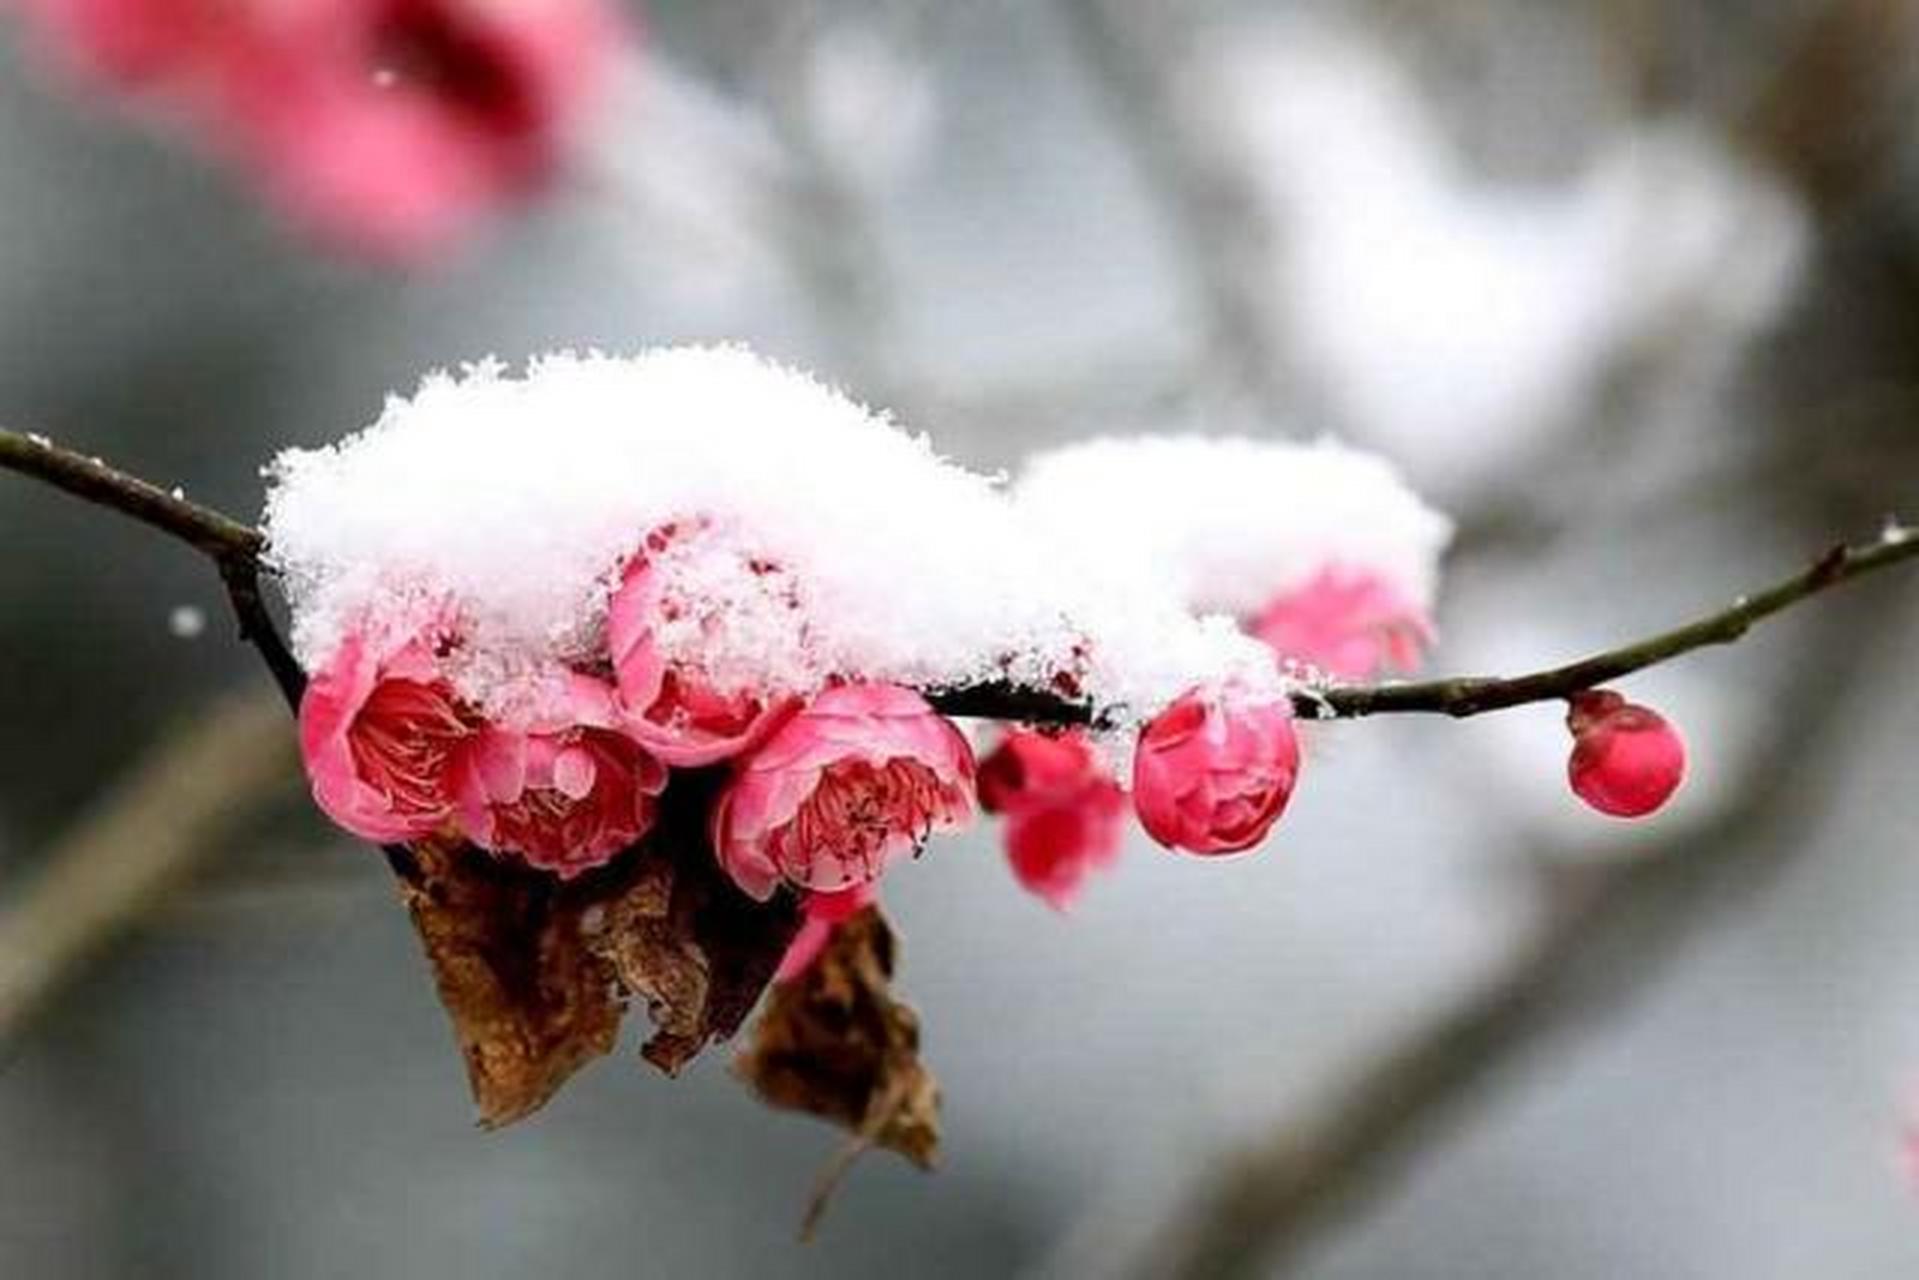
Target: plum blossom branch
235,548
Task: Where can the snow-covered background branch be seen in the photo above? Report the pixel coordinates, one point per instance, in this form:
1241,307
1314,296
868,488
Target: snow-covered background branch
1627,289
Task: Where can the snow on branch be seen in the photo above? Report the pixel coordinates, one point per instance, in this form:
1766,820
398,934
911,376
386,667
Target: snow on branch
237,548
643,671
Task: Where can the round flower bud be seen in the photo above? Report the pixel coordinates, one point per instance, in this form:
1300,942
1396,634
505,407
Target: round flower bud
1215,769
1626,760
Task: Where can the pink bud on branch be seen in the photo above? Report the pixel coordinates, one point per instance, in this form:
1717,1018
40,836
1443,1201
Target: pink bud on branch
1214,770
1626,760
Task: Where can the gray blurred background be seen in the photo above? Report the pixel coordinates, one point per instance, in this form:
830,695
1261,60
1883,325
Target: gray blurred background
1631,289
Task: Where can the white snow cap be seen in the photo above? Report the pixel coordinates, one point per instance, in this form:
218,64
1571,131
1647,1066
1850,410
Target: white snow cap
1228,524
515,500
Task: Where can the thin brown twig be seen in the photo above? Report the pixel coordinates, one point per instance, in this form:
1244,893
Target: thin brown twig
232,545
236,549
1228,245
1462,696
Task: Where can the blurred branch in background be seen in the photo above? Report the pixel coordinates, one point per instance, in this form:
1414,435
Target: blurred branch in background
1135,50
145,836
1841,100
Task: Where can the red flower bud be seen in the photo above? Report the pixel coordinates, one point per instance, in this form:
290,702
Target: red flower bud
1626,760
1215,769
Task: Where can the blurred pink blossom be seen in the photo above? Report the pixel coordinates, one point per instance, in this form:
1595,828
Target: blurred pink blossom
854,781
1064,812
1350,624
383,126
1214,771
134,44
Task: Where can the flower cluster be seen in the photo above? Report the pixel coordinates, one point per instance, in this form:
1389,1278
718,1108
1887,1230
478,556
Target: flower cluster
383,126
563,766
1211,775
1336,580
566,767
756,580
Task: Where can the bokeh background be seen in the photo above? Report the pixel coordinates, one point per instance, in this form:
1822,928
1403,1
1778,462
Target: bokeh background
1631,289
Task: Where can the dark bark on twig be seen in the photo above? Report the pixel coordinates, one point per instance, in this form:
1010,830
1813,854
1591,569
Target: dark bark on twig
213,533
1461,697
232,545
242,580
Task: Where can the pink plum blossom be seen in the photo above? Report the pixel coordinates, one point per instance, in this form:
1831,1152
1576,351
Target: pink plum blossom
855,780
1348,623
1626,760
379,727
388,125
383,126
1064,812
563,790
132,44
672,708
1215,769
822,913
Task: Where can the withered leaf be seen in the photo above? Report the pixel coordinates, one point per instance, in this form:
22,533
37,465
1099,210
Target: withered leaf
529,1005
696,949
835,1043
535,973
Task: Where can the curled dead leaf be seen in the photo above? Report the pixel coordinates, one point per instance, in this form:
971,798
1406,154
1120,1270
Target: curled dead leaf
535,973
836,1043
529,1005
698,951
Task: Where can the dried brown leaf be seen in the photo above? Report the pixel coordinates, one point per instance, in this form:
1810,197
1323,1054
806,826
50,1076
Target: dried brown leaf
535,973
696,949
836,1043
529,1005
